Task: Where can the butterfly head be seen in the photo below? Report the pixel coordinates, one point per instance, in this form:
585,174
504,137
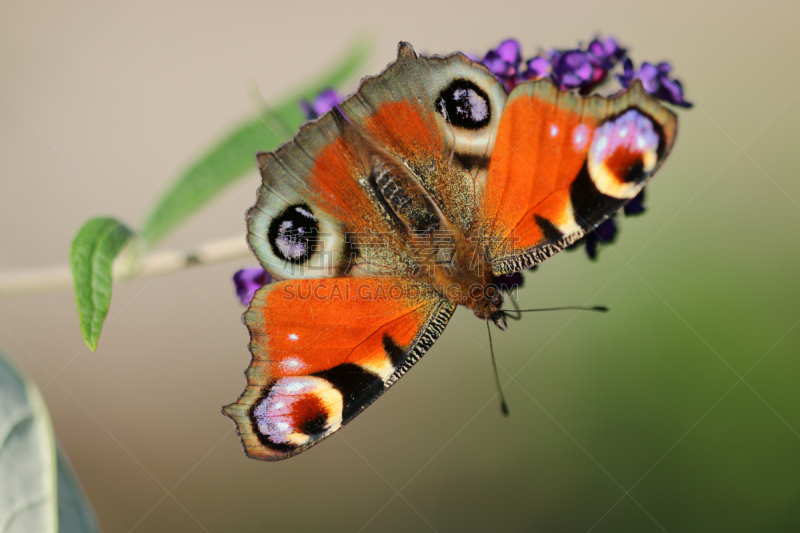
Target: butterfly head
499,319
488,305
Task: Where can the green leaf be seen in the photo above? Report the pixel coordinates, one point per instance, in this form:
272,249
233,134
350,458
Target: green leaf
27,457
234,155
93,251
75,515
38,491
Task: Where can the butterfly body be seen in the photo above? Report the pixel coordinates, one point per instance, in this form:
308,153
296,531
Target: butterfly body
382,216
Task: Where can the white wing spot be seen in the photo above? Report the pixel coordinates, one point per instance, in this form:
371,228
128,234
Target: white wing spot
294,386
580,137
292,364
306,212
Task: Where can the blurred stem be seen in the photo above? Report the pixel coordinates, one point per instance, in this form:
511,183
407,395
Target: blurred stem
159,263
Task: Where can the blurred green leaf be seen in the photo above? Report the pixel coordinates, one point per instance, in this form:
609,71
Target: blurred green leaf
27,457
39,491
233,156
98,242
75,515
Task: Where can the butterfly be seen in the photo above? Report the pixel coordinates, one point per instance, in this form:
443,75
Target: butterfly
383,215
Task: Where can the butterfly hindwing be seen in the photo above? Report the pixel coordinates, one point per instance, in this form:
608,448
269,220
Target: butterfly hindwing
563,163
323,350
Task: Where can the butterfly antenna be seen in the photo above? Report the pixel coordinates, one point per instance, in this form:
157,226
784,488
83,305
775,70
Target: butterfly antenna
517,314
503,404
598,308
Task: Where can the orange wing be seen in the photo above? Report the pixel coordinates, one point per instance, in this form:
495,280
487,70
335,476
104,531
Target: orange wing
563,163
323,350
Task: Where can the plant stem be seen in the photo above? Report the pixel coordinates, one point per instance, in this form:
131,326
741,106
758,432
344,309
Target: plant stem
161,263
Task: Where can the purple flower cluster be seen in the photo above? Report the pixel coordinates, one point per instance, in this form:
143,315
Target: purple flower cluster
655,80
577,68
581,68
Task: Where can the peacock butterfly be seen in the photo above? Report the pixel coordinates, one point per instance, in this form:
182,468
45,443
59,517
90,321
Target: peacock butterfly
405,201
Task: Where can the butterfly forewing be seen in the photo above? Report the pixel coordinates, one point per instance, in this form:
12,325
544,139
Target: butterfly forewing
563,163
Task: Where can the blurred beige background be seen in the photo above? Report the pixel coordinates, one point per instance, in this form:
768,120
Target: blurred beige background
632,421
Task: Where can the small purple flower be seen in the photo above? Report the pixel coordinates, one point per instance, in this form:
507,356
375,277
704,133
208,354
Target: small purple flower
504,62
573,69
248,281
605,233
539,67
509,282
605,54
321,104
655,80
636,205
